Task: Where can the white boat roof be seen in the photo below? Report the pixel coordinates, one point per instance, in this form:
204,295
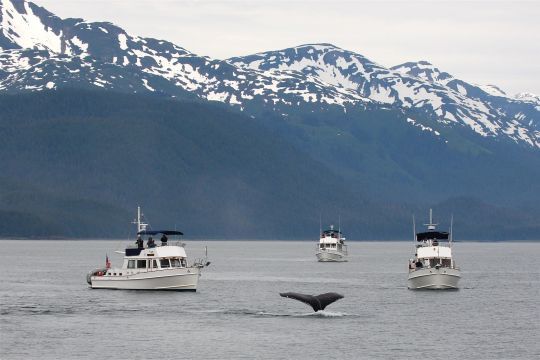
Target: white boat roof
431,252
162,251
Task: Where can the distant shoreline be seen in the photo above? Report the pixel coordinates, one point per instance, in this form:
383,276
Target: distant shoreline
276,240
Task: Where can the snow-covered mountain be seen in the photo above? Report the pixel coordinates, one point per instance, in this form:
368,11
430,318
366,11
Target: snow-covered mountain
410,86
48,52
39,51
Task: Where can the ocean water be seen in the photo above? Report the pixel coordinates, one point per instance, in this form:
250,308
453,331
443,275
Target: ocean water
48,311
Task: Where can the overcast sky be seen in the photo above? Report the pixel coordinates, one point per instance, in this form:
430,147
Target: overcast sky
480,41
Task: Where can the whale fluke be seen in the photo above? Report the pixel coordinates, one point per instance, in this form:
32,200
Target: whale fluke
317,302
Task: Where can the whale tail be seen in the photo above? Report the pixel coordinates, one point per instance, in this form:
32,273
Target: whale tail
317,302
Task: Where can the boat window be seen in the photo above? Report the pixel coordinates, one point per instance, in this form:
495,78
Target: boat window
155,264
165,263
184,263
131,264
175,262
446,262
141,264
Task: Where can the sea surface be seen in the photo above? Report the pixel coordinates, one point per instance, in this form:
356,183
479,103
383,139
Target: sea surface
49,312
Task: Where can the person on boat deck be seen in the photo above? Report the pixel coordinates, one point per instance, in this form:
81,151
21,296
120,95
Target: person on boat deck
139,242
151,243
419,264
164,240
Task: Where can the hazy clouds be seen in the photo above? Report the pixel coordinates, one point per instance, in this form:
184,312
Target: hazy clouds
487,42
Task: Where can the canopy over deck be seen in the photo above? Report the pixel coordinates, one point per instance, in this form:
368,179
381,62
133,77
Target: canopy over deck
432,235
331,231
164,232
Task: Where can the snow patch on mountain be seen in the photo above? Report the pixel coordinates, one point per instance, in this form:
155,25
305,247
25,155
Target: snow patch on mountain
122,40
422,127
425,71
528,97
83,47
26,29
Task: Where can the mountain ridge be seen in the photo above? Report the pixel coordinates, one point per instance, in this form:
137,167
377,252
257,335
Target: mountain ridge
72,52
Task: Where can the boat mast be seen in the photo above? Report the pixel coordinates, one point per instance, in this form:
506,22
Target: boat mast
141,226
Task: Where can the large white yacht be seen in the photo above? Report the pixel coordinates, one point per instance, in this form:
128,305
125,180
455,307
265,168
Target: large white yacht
433,266
161,266
331,246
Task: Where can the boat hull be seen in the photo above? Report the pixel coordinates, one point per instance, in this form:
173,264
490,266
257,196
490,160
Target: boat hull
185,279
331,256
434,279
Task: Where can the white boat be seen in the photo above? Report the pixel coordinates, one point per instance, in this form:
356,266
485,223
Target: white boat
153,267
331,246
433,266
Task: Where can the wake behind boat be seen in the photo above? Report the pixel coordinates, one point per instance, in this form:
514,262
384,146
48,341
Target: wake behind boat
331,246
433,266
154,267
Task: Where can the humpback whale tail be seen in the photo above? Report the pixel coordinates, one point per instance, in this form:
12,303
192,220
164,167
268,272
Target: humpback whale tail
317,302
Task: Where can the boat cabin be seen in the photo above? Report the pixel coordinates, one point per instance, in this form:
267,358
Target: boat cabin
147,256
332,240
158,258
432,250
331,237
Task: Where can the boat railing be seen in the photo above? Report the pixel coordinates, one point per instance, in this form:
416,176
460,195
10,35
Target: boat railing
344,249
175,243
413,267
201,262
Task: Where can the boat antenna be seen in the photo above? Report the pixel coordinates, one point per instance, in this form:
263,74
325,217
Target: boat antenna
339,224
414,229
320,223
431,225
141,226
451,229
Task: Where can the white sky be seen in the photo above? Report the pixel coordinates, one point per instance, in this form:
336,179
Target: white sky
480,41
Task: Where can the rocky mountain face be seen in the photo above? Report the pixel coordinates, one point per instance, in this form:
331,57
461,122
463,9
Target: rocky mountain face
39,51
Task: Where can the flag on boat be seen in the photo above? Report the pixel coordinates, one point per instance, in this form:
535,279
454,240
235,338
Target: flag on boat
107,262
